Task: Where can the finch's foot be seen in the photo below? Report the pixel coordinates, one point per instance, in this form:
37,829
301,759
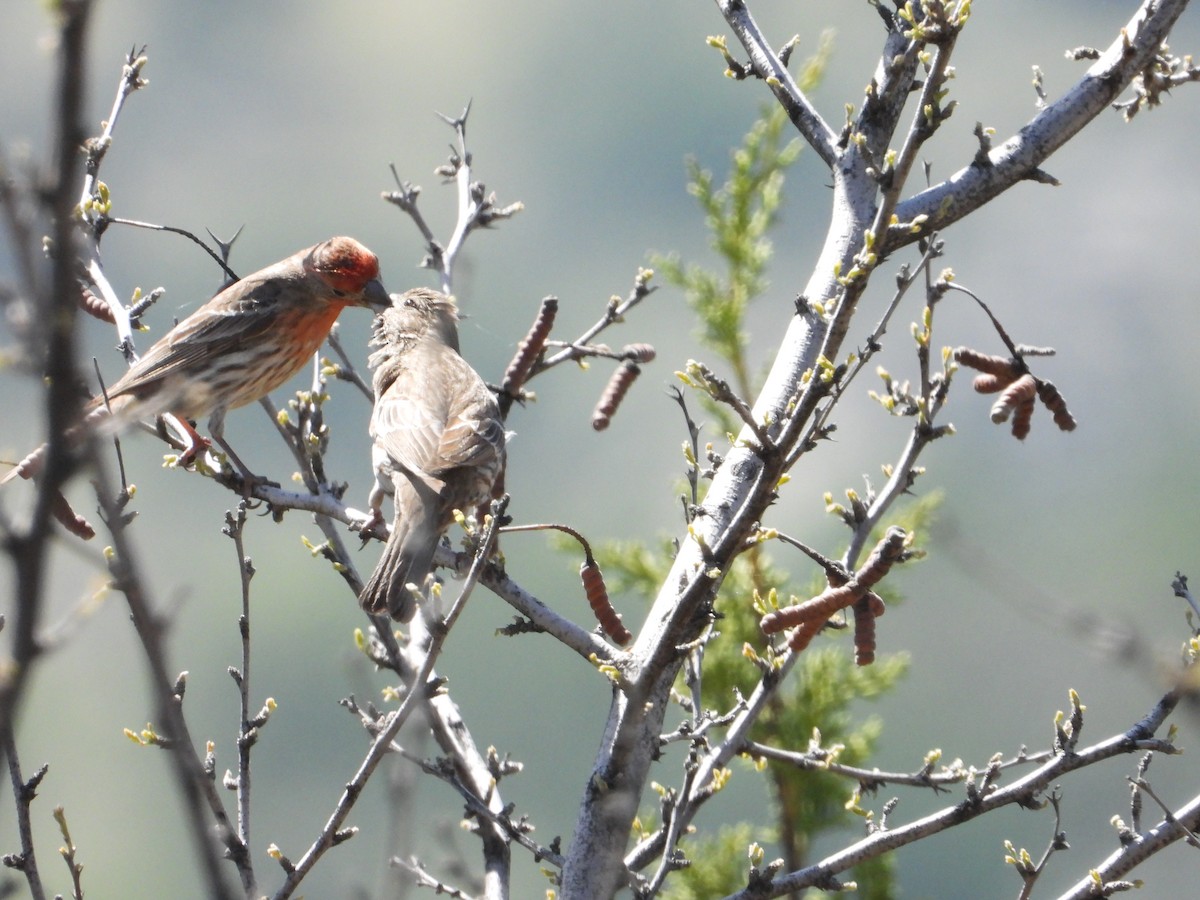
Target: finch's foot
368,525
197,443
250,481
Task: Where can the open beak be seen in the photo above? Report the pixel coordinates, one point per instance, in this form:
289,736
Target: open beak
375,295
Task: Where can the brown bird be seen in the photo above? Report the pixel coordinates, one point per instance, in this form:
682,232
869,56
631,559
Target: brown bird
240,345
439,441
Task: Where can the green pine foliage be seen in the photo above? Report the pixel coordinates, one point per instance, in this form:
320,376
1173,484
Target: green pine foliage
740,215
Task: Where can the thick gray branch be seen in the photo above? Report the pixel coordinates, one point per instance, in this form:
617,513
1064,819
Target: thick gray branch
1015,159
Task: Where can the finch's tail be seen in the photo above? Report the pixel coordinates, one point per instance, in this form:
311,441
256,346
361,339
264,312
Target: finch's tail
407,559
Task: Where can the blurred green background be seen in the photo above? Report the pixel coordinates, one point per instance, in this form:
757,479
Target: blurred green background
283,118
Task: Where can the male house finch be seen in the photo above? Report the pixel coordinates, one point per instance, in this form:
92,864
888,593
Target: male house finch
439,441
240,345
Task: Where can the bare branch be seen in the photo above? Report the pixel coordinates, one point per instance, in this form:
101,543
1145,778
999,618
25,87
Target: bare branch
24,793
969,188
1176,826
768,66
249,724
1023,791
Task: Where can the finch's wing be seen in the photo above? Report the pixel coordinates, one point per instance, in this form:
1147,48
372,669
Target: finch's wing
407,424
438,416
236,318
473,435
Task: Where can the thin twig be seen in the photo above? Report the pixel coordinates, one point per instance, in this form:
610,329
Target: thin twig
346,370
24,793
822,760
424,879
68,851
1057,842
873,343
216,257
235,524
1169,817
479,807
767,65
614,312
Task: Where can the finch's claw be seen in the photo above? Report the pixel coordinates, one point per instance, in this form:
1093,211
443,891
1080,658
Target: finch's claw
187,458
369,525
250,481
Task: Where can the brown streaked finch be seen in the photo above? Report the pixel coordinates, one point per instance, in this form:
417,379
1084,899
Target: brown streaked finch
240,345
439,441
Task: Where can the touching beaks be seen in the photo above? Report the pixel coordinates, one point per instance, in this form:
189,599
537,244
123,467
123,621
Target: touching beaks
375,294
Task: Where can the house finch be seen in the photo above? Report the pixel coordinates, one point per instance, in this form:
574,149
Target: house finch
240,345
439,441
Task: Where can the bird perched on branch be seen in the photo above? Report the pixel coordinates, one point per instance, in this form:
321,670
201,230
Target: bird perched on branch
240,345
438,441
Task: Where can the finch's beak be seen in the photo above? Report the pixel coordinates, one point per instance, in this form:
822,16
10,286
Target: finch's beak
375,295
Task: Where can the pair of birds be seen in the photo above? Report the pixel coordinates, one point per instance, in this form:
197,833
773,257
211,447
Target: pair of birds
438,436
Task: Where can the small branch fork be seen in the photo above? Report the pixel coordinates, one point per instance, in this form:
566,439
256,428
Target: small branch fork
476,208
771,68
536,353
250,723
24,792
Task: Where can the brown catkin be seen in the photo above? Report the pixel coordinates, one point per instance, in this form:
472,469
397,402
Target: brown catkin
864,633
819,608
602,608
1021,390
1022,418
614,393
804,634
993,365
639,353
530,348
69,519
987,383
95,307
886,552
30,466
1057,405
808,618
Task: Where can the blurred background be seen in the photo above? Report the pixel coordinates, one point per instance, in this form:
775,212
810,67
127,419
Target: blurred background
283,121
